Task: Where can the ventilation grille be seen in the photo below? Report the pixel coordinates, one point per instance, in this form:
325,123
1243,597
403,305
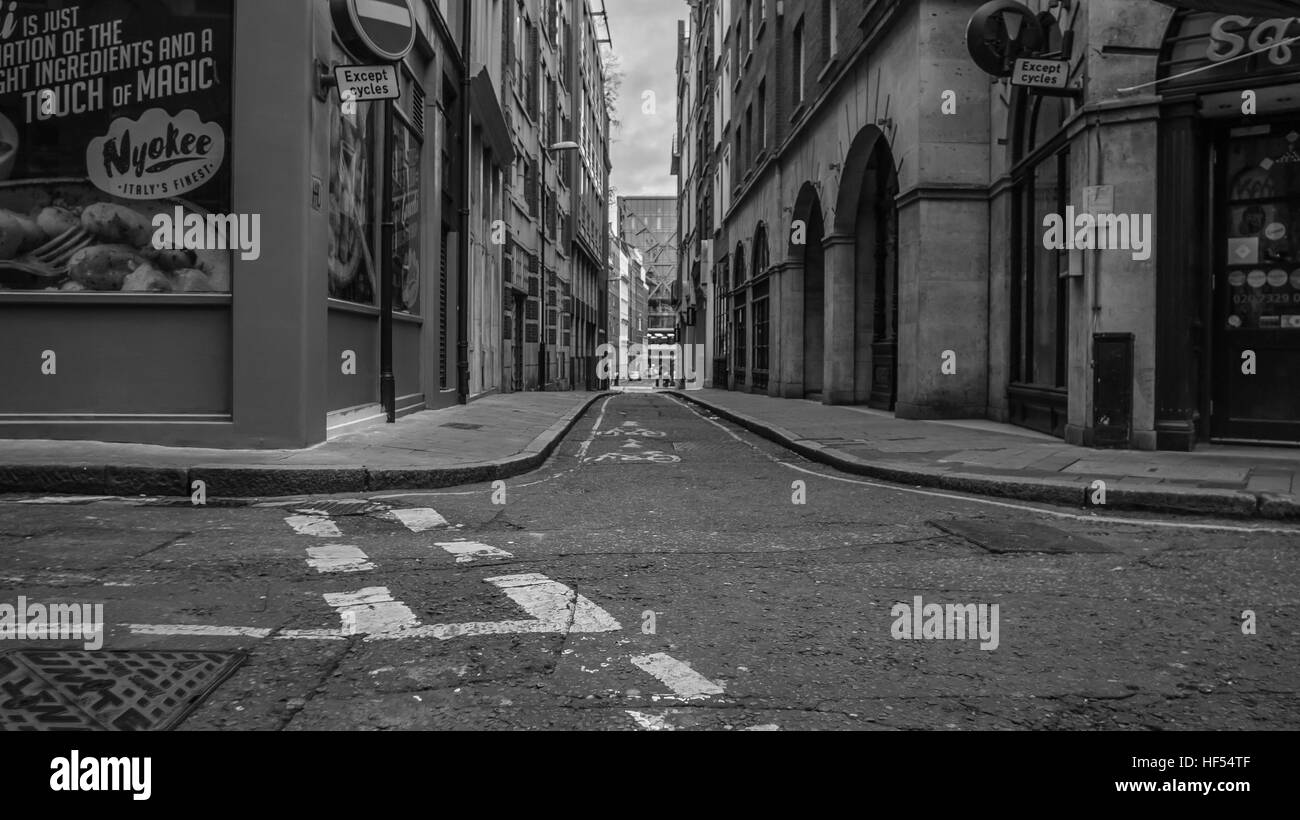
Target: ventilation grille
417,109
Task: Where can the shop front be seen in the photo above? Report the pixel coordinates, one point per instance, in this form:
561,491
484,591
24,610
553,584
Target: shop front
1229,256
190,223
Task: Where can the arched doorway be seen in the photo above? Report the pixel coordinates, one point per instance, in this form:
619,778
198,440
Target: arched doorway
867,211
806,236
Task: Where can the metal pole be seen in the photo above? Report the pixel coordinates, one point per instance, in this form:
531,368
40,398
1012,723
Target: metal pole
462,272
387,382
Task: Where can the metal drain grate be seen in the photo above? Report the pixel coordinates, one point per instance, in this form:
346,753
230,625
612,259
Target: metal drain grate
62,690
345,506
1020,537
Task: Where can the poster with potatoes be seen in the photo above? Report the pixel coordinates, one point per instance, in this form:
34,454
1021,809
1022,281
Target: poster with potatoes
113,112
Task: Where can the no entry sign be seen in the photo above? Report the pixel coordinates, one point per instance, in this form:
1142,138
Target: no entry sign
384,29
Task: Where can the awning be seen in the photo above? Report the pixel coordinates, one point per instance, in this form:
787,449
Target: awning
487,110
1249,8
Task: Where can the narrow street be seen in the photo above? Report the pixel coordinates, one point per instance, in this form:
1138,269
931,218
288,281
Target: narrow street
666,570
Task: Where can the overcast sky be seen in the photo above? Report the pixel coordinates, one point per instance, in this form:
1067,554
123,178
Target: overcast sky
645,36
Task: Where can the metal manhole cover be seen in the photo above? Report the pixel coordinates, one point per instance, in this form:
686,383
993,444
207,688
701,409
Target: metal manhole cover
1020,537
457,425
60,690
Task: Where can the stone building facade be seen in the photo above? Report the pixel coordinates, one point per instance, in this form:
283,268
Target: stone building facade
877,203
556,204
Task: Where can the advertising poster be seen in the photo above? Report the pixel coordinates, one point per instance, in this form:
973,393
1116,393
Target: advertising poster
113,112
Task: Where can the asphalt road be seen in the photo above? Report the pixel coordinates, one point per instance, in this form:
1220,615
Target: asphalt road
665,570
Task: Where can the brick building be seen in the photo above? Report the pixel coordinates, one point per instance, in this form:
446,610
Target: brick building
555,249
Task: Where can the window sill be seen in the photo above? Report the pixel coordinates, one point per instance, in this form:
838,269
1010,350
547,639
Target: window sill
735,87
762,27
104,298
749,59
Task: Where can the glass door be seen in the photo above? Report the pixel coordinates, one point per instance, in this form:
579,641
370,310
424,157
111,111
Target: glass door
1257,285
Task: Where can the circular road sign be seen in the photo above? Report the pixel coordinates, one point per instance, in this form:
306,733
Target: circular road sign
384,29
1000,31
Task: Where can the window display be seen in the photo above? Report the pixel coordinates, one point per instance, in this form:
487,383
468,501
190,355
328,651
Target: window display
351,257
115,120
1263,247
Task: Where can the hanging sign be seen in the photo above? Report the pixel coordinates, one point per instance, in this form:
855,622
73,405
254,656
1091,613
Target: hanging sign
362,83
1049,75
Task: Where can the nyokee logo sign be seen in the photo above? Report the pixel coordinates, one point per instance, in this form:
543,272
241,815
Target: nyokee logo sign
157,155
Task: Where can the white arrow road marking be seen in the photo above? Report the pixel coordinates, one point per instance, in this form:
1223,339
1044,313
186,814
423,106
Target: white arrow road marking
314,525
651,722
338,558
467,551
421,519
685,682
372,611
553,607
632,445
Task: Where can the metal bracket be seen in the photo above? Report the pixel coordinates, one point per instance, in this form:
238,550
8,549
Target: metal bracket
325,80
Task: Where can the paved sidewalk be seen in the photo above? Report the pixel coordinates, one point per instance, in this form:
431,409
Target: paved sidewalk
997,459
493,438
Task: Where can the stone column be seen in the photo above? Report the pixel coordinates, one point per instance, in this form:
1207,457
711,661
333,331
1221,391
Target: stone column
841,314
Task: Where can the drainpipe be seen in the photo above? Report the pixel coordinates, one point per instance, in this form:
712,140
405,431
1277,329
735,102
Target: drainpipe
462,273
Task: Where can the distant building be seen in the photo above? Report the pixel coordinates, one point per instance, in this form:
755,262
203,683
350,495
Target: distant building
649,224
629,296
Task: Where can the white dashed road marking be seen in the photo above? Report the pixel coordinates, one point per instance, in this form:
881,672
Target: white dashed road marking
338,558
314,525
467,551
685,682
421,519
373,612
651,722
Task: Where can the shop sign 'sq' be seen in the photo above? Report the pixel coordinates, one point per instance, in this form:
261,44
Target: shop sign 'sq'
383,29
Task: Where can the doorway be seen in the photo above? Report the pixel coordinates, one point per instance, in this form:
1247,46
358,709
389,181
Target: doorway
1256,298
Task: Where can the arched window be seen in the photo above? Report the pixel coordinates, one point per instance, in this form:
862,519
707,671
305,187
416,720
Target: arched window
761,257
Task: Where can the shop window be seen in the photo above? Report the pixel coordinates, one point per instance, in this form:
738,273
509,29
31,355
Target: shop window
1040,287
408,150
66,170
